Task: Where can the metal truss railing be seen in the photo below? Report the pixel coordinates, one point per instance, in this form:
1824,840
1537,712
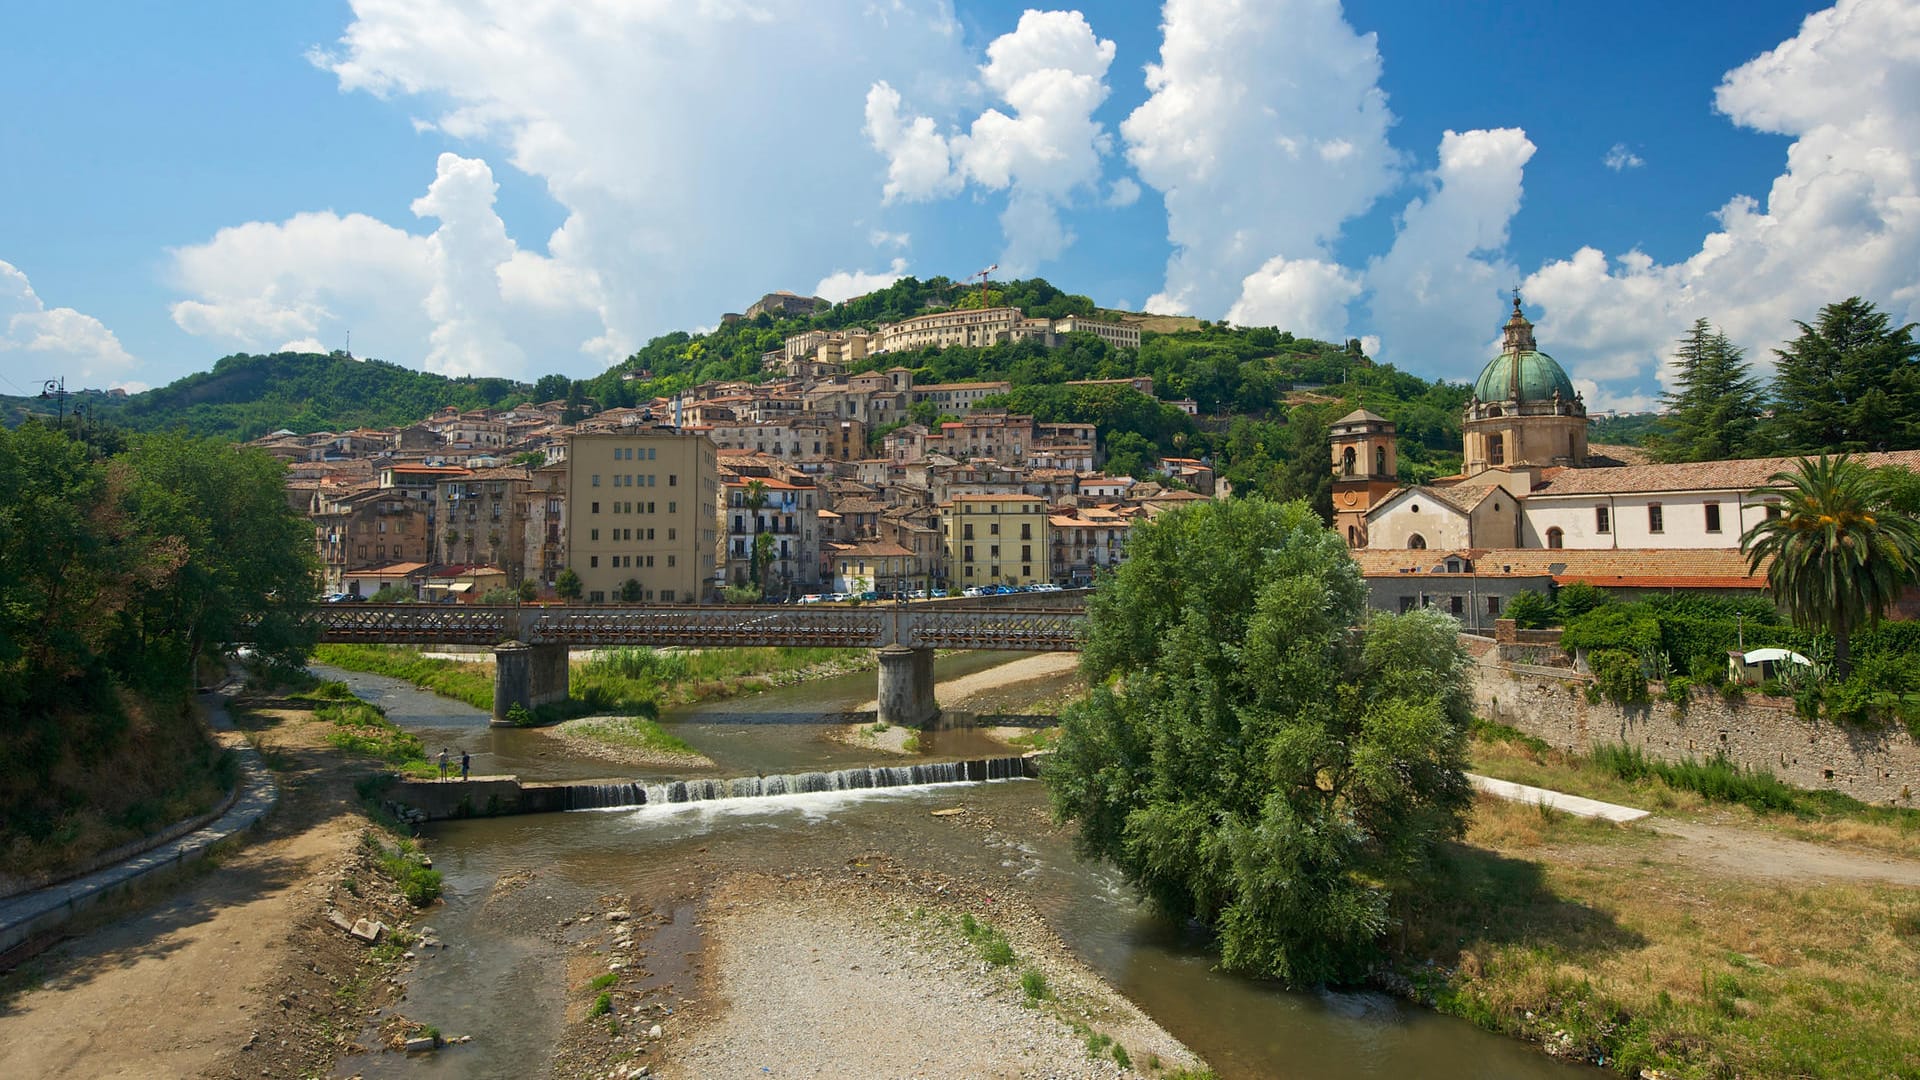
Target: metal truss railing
870,627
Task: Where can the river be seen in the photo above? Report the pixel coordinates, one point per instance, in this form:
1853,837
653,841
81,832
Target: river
506,958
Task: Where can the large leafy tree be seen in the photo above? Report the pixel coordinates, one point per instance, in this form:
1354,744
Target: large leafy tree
1841,556
1247,758
1714,406
1850,381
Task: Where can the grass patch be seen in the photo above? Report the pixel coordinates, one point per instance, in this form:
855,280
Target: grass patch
1644,964
624,682
1033,983
1624,775
994,947
363,729
1717,779
403,864
604,981
468,682
602,1005
634,732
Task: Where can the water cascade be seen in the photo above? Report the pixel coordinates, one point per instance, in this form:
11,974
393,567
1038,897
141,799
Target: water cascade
600,796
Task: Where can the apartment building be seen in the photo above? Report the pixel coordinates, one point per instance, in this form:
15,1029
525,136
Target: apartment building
996,540
788,516
641,504
366,527
483,520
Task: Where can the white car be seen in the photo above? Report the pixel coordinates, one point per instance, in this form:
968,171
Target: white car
1047,586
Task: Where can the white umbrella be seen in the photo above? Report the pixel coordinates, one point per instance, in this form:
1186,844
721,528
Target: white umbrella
1762,656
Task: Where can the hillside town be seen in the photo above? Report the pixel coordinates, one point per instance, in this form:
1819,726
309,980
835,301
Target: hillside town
778,487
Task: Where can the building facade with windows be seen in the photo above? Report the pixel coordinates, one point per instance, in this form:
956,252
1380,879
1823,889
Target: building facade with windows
996,540
641,507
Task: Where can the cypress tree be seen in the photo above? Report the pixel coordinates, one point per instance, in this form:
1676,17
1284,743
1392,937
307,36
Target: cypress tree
1713,409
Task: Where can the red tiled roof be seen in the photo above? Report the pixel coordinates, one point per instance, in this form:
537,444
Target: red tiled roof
1741,474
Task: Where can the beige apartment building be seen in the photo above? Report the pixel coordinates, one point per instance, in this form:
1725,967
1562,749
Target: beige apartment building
996,540
641,507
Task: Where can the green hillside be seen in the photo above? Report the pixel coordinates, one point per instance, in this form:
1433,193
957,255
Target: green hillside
245,396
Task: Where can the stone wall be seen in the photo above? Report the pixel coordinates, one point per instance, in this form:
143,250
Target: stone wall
1874,767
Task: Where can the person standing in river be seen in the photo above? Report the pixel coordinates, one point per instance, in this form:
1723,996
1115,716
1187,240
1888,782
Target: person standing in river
443,763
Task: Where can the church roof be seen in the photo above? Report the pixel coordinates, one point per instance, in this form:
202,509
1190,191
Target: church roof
1539,375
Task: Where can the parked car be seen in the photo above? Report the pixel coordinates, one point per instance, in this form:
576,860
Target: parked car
1047,586
977,590
813,598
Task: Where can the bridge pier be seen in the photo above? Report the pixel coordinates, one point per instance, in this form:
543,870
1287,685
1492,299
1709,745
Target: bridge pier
906,686
528,676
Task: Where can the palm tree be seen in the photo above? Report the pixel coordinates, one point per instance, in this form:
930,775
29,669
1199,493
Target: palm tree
1840,557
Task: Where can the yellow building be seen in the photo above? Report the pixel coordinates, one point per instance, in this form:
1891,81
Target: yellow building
996,540
641,509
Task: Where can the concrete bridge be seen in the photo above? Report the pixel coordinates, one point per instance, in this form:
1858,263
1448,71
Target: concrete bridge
530,644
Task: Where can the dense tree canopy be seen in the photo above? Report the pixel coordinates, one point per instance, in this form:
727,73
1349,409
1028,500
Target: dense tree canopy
1247,758
1849,382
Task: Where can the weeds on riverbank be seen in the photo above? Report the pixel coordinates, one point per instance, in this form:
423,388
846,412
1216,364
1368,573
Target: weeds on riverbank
402,862
1580,936
362,728
1625,775
632,732
627,682
1636,963
468,682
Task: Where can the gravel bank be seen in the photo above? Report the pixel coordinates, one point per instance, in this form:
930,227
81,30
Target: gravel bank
605,738
868,973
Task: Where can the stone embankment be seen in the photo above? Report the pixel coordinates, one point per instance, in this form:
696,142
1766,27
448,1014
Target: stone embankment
1880,767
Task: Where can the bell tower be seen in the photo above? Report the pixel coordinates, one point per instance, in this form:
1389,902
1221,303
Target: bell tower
1366,469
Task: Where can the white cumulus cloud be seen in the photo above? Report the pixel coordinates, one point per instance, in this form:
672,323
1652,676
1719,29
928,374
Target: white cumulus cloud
847,284
1436,292
1050,70
57,341
672,136
463,299
1265,131
1842,219
1307,296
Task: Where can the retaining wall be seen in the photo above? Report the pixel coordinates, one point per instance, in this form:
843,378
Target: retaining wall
1875,767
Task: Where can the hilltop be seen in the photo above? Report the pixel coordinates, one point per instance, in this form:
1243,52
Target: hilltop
1246,383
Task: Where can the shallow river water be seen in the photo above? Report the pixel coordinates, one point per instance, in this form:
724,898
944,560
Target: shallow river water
502,977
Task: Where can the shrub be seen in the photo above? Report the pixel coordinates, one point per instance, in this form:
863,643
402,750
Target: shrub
1578,598
1532,611
1716,778
1679,691
602,1005
1034,983
1624,626
1618,676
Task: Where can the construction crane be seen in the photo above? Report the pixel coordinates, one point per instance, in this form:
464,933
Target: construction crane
982,275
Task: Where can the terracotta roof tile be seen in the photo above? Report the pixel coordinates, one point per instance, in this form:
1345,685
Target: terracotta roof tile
1741,474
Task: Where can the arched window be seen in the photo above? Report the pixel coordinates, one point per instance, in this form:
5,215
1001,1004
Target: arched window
1379,461
1496,449
1417,542
1556,538
1346,462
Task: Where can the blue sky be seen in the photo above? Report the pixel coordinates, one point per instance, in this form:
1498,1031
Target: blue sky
523,186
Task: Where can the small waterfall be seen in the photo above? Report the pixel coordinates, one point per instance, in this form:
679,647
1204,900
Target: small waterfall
599,796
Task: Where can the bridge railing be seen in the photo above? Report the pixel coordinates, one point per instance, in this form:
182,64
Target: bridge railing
864,627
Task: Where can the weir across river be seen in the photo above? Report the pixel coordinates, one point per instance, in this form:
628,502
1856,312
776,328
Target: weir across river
530,644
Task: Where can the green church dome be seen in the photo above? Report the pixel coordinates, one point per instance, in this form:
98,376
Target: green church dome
1521,373
1540,375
